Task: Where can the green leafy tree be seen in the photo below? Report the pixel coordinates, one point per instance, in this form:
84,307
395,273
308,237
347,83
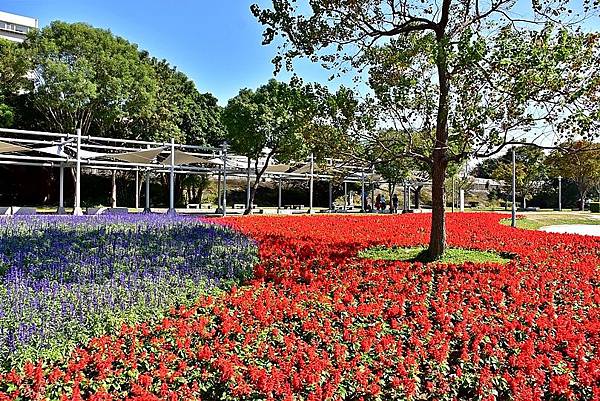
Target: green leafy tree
86,77
578,161
180,111
471,77
14,65
271,120
530,171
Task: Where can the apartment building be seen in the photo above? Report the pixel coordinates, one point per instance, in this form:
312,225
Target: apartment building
15,27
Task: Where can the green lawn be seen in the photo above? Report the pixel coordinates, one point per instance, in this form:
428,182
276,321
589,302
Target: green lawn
451,256
534,221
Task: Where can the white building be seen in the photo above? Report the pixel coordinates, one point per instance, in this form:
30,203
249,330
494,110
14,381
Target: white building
15,27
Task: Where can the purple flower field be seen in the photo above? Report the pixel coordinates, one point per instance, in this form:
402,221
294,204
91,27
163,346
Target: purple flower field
65,279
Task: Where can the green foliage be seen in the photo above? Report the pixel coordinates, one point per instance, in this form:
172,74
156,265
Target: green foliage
14,65
73,75
275,116
419,254
179,112
578,161
6,114
530,170
468,78
84,77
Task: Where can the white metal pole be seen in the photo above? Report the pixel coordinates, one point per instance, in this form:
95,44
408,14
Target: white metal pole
330,195
61,192
310,195
248,186
219,193
559,193
77,209
224,179
345,196
147,208
513,220
362,193
453,194
147,200
279,196
172,179
61,185
137,188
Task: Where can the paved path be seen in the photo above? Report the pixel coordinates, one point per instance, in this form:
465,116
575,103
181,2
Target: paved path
584,229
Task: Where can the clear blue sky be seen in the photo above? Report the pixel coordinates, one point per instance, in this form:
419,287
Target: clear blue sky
217,43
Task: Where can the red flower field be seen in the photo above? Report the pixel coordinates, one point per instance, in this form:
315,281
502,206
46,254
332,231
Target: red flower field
319,323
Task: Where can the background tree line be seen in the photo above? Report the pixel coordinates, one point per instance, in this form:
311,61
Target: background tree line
67,76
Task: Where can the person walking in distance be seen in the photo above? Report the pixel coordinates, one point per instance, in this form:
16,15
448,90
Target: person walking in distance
394,203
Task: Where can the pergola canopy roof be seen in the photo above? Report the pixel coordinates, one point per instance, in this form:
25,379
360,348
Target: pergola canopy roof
6,147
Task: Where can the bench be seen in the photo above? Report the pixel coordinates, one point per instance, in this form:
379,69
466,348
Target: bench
17,211
242,206
110,211
192,206
293,206
24,211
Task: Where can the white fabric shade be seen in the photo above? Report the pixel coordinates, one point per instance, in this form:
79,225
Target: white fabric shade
277,168
302,170
86,154
186,158
6,147
141,156
215,160
55,150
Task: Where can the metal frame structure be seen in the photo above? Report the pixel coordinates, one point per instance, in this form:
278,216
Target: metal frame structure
51,149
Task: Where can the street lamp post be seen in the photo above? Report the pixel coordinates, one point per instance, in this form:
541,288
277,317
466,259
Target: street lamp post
559,193
224,179
77,209
513,220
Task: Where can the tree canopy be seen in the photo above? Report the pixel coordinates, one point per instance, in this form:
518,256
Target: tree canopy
67,76
580,164
471,78
530,171
272,119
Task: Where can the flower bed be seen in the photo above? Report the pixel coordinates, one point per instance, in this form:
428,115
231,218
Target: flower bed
67,280
319,323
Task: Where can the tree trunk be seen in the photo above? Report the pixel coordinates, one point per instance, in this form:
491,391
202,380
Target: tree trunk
113,196
437,239
583,194
524,202
259,174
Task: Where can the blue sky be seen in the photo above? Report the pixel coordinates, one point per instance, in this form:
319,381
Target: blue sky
217,43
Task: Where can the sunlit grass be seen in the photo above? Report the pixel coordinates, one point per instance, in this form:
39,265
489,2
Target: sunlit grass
451,256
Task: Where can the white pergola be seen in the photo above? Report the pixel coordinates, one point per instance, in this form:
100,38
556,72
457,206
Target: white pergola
51,149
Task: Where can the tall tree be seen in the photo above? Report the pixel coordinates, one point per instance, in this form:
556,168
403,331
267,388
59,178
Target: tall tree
272,121
580,164
472,74
85,76
180,110
14,65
